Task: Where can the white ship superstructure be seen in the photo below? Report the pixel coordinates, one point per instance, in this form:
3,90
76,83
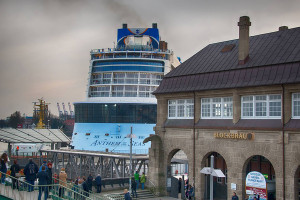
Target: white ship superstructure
119,92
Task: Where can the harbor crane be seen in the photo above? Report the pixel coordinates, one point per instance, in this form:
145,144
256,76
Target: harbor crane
59,110
65,111
71,111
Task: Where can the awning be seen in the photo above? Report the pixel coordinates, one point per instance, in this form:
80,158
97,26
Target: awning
213,172
10,135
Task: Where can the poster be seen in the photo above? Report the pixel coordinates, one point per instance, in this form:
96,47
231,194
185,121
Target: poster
256,184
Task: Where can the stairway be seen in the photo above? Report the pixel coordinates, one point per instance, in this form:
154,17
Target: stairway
144,194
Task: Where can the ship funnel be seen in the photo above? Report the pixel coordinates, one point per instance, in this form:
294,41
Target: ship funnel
124,25
154,25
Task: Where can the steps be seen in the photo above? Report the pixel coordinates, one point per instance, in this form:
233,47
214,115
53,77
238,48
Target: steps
144,194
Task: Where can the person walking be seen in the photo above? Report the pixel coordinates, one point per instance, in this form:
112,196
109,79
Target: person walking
143,180
137,179
44,164
15,168
62,182
3,169
30,172
179,187
191,193
49,172
133,188
90,182
85,187
126,195
98,183
234,196
43,181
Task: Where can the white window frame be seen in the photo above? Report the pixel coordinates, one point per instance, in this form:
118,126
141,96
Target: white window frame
254,101
185,108
293,99
211,108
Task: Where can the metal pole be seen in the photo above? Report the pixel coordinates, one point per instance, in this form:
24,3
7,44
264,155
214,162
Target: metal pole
211,177
130,166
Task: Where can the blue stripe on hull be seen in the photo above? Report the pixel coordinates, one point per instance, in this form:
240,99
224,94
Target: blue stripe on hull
111,137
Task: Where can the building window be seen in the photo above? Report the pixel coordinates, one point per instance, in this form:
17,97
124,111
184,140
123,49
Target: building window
220,107
296,105
261,106
181,109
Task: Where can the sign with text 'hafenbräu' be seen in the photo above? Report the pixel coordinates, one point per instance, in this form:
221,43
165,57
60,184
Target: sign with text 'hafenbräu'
256,184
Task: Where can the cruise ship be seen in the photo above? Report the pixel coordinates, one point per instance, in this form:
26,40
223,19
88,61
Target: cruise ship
119,92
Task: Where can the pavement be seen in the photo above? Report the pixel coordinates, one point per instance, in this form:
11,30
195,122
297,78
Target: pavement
161,198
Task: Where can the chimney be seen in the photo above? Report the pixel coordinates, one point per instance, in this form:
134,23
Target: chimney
244,25
154,25
124,25
283,28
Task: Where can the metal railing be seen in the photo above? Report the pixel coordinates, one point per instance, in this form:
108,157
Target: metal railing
19,189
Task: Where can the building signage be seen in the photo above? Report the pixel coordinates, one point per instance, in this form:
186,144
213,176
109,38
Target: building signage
239,136
256,184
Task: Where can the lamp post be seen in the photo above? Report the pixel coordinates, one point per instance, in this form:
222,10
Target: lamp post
211,178
130,166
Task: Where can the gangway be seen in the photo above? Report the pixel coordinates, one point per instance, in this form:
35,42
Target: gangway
111,166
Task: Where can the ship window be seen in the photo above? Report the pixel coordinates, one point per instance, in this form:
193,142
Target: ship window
117,91
115,113
130,91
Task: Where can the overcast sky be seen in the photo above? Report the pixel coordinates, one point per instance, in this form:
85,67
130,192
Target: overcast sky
45,44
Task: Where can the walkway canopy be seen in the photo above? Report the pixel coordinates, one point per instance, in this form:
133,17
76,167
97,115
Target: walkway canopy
10,135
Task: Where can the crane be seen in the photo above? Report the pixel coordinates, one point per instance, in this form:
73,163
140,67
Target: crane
71,111
59,111
65,111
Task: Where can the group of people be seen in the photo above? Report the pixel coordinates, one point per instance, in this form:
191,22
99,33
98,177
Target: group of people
135,182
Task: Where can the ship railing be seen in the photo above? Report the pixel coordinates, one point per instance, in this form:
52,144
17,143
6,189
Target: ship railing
19,189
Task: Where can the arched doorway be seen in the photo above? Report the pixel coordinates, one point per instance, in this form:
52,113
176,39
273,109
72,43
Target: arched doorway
219,183
177,173
297,184
260,164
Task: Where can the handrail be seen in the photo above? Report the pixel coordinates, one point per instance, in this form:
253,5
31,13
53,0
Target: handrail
154,190
54,191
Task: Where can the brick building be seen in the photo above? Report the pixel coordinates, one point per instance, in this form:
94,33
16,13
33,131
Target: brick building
238,100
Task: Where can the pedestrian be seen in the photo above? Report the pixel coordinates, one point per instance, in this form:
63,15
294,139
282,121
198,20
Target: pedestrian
133,188
3,169
62,182
43,181
137,179
55,182
98,183
30,172
234,196
191,193
127,195
49,172
44,164
90,182
15,168
143,180
179,186
85,187
17,151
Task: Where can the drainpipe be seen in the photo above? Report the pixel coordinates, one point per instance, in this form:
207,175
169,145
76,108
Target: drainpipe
283,144
194,142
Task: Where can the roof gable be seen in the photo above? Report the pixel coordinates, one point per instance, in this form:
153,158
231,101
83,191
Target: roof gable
266,49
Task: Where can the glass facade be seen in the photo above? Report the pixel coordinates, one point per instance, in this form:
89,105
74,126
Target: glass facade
128,68
115,113
126,62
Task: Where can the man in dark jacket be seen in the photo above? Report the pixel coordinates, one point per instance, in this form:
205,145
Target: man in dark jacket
126,195
90,182
234,196
30,171
43,180
85,187
133,187
15,168
98,183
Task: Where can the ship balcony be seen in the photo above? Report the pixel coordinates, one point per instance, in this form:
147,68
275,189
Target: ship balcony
102,54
